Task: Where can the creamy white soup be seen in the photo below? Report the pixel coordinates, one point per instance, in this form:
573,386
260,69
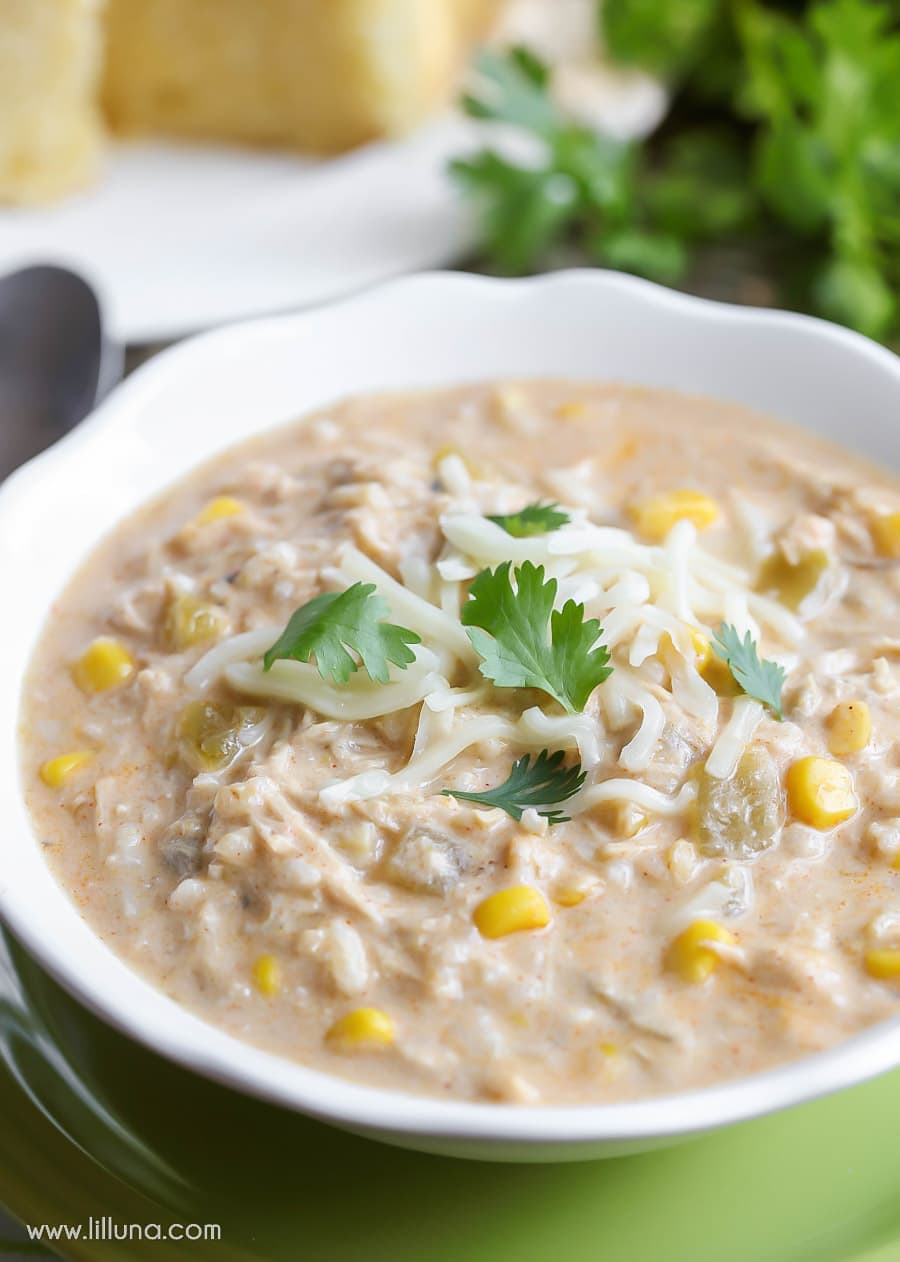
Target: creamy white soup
531,742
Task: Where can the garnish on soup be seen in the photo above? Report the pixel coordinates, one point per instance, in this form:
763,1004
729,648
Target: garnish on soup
533,519
507,617
757,677
330,624
539,786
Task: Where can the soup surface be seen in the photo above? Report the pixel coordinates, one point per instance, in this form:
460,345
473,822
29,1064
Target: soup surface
670,850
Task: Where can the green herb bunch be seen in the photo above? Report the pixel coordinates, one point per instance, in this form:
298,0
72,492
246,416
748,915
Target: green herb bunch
783,137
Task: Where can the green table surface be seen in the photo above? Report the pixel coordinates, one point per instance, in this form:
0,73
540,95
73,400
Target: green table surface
92,1125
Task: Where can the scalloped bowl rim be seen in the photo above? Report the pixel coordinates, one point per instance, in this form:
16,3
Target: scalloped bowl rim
38,912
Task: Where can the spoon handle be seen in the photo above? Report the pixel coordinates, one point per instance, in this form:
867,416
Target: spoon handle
55,362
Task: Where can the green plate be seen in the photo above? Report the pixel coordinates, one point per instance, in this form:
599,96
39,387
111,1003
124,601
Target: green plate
92,1125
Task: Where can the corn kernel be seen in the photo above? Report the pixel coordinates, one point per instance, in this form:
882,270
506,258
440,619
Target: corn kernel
569,896
690,958
267,975
216,510
849,728
511,911
882,964
471,467
105,664
362,1028
622,819
571,409
656,516
820,792
613,1063
629,820
58,770
791,582
702,647
575,892
719,677
886,534
191,621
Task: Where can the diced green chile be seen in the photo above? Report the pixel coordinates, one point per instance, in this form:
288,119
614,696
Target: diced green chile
212,734
743,815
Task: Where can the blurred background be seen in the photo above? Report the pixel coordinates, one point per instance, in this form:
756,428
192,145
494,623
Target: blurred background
205,160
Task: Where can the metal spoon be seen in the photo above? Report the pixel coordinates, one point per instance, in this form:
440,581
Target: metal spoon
55,363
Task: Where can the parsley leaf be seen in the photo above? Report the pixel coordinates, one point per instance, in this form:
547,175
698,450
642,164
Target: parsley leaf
541,785
533,519
508,629
761,679
330,624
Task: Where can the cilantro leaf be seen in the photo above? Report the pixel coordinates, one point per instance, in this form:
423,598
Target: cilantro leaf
533,519
572,182
781,148
823,92
508,629
761,679
659,35
576,183
331,624
523,212
511,88
540,785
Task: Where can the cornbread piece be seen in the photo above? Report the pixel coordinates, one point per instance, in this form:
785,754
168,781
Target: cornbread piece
50,129
321,75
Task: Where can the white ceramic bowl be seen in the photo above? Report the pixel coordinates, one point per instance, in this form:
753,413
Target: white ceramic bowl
214,390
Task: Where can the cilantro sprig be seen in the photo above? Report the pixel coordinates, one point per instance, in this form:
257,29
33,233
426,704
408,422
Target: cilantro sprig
782,140
533,519
525,643
577,184
758,678
542,785
332,626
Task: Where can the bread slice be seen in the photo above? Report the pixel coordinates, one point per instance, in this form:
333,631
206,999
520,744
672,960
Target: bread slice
50,126
319,75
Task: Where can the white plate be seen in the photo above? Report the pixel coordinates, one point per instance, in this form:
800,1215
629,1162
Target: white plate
178,238
218,389
181,237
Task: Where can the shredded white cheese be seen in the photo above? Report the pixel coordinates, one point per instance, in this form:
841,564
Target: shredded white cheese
240,648
353,702
729,895
642,795
423,767
651,600
734,738
563,732
436,627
